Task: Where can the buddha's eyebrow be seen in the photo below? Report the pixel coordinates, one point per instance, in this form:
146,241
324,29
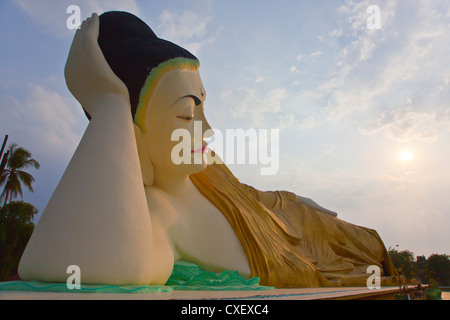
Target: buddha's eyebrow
197,101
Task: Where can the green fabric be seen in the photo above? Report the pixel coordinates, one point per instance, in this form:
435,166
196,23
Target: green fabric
188,276
39,286
185,276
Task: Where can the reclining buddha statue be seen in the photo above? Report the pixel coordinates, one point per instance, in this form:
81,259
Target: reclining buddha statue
125,213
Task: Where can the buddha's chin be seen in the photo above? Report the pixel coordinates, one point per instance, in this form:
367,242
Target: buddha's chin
188,169
198,163
196,168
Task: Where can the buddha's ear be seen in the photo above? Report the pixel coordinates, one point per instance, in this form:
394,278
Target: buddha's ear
146,164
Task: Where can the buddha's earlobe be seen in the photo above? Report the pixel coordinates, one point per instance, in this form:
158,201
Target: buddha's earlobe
147,170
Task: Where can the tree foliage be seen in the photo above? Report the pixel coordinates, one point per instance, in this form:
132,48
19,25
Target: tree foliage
404,262
14,176
434,268
438,268
16,227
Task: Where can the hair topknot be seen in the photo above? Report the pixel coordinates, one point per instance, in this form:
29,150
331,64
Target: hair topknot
123,25
132,50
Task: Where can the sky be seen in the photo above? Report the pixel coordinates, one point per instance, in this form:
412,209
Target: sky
348,100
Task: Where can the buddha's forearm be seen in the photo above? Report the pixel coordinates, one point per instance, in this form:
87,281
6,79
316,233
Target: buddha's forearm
105,165
98,216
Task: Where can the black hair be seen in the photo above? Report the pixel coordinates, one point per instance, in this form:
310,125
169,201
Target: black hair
132,50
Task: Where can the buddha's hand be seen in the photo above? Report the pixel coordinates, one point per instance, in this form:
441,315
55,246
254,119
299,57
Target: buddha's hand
88,75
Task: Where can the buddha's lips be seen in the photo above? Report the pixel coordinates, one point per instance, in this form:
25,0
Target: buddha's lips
203,149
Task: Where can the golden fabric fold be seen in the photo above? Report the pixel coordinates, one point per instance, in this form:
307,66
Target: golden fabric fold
289,243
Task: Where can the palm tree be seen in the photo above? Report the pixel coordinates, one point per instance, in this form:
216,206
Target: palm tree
13,176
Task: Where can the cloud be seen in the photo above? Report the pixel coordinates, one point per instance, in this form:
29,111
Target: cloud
336,33
261,110
187,24
293,69
254,106
260,79
290,121
380,68
52,15
404,209
356,14
46,119
405,124
188,29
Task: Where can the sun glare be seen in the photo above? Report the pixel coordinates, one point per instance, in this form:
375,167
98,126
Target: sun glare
406,156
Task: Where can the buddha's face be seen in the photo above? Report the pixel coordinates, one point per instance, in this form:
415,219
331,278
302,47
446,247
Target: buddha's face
177,103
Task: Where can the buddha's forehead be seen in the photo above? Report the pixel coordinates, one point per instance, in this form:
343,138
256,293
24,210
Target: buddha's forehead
177,84
172,86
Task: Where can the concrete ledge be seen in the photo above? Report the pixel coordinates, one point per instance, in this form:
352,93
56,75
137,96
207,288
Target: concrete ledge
278,294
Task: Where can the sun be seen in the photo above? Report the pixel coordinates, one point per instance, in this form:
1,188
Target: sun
406,156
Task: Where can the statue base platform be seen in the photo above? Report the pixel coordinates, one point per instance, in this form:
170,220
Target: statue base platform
350,293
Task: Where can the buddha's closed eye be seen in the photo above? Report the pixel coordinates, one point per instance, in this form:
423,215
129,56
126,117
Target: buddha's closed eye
186,118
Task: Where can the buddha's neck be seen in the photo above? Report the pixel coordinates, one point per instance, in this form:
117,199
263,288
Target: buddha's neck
172,183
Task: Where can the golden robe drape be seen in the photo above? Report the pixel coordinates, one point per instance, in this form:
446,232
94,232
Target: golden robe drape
289,243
